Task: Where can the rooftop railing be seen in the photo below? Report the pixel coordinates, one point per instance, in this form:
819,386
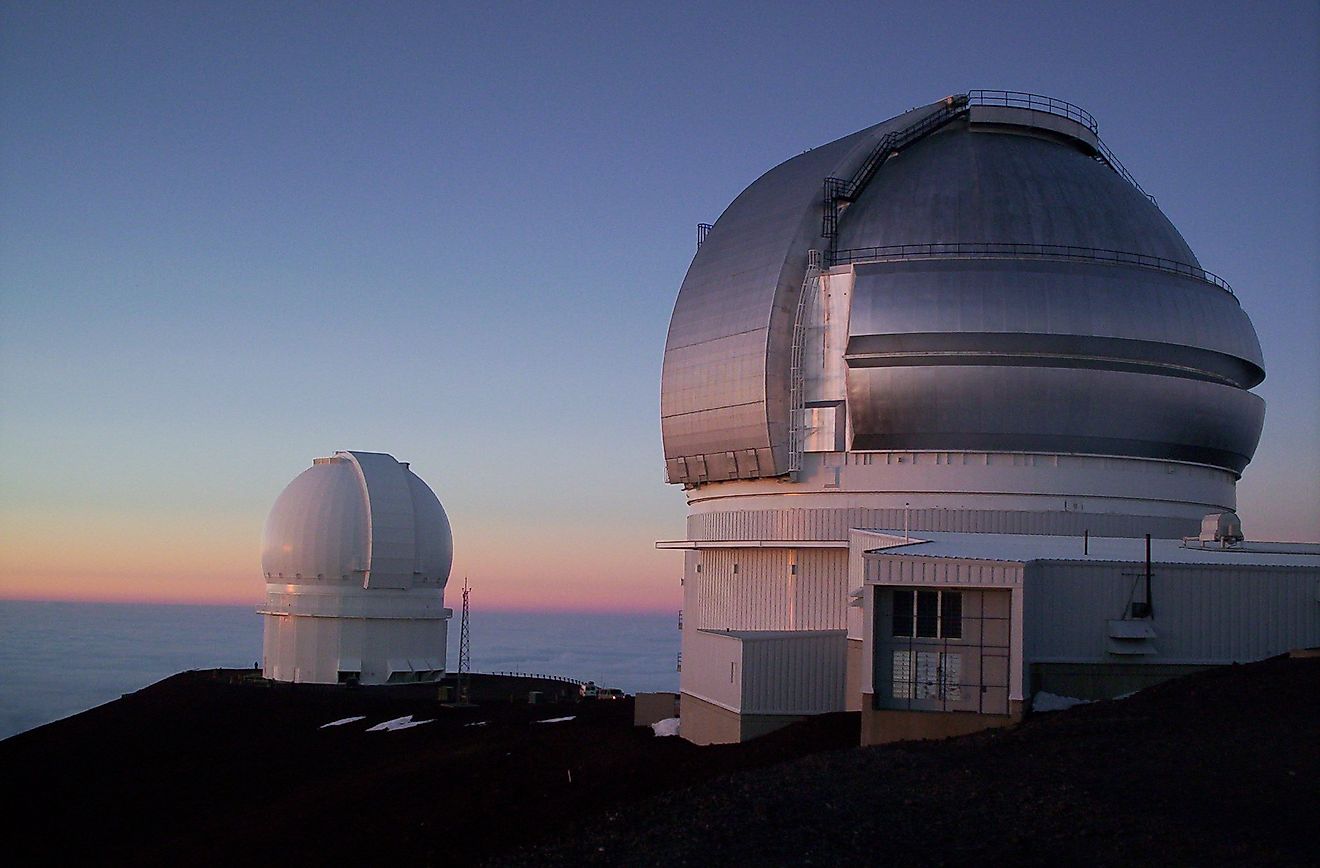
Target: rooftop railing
1035,102
1061,108
994,250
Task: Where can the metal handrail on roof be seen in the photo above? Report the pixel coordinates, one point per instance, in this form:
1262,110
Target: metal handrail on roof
1060,108
1035,102
996,250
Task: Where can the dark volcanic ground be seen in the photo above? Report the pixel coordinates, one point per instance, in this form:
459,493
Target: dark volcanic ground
1221,767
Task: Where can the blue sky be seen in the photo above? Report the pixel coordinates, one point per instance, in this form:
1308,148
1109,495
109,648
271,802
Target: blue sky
236,236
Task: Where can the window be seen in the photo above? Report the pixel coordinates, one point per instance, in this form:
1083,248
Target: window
937,675
927,615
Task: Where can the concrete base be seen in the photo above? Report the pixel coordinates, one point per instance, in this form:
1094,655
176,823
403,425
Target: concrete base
852,678
881,726
702,722
1102,680
649,708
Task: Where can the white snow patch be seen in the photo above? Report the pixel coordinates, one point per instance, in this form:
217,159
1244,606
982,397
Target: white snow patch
344,720
478,723
1053,702
557,719
405,722
668,726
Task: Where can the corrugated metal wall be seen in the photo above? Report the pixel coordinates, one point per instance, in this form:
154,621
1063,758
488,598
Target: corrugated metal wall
770,589
899,570
833,524
1203,614
794,675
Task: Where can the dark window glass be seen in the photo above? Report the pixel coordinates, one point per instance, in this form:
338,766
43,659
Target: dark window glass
951,615
928,611
903,614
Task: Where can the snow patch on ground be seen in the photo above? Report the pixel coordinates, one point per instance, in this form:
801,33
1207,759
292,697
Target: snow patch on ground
405,722
666,727
557,719
344,720
1053,702
477,723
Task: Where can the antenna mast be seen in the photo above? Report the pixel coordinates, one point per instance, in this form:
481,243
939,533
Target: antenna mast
464,649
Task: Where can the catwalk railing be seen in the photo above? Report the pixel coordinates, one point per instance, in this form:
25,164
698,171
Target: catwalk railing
993,250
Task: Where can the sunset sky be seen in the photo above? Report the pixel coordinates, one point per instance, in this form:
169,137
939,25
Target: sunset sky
234,237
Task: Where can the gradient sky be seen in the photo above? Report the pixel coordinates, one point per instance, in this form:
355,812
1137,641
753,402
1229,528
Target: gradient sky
237,236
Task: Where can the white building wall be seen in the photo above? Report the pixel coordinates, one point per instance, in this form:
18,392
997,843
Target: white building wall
768,589
712,668
313,650
1203,613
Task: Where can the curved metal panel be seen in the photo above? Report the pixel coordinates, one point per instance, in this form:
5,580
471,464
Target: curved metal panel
1053,410
965,185
1041,308
392,533
317,528
724,386
435,539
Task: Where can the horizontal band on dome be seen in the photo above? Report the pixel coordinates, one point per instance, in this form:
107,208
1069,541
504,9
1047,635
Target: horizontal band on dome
1050,444
1006,250
1053,351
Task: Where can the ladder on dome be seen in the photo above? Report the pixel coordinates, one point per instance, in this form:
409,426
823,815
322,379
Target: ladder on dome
797,422
839,192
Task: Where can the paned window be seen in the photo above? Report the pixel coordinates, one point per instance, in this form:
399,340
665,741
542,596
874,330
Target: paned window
927,615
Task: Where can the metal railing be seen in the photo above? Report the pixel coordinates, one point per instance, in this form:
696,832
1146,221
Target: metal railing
1035,102
537,675
994,250
1059,108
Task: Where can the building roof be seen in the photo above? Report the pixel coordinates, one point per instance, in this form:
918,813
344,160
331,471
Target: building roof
1026,548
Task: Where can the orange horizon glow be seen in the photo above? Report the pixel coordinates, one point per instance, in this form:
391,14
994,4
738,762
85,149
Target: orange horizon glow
537,569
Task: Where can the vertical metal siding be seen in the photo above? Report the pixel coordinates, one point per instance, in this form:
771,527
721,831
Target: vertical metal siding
794,675
1203,613
834,524
766,594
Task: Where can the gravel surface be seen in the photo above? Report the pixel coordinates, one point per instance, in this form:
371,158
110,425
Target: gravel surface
1217,768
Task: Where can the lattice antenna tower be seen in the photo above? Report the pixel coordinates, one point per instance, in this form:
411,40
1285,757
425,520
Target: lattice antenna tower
464,648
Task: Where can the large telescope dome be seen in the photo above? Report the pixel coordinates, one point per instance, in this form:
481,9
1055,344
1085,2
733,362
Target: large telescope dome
1011,289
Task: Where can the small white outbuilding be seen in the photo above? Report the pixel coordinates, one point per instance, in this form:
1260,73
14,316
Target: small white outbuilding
356,553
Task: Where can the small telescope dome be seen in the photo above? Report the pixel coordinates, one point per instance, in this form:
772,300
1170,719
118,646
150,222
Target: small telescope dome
360,518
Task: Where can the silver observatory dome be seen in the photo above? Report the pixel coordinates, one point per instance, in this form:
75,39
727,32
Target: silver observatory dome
359,518
1009,289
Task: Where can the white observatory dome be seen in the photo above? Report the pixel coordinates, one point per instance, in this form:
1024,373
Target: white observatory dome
358,517
356,553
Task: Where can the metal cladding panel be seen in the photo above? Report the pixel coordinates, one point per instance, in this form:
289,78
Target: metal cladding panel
1053,410
1075,313
712,668
317,527
392,531
741,291
770,589
834,524
435,540
960,185
791,674
1203,613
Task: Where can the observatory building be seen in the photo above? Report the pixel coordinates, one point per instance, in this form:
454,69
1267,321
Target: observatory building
356,553
968,319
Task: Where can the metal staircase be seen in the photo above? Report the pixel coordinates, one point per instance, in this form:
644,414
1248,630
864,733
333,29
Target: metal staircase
839,192
797,386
